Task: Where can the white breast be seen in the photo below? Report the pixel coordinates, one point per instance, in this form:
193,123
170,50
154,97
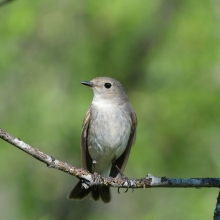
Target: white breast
109,132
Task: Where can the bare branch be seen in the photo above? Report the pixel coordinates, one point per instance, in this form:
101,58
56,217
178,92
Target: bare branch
94,179
50,161
5,2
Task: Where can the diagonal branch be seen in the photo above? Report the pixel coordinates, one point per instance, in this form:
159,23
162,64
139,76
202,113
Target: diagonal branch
94,179
90,180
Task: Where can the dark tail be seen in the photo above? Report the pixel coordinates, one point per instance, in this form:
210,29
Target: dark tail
79,193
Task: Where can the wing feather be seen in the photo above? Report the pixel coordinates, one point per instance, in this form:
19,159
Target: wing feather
122,160
85,157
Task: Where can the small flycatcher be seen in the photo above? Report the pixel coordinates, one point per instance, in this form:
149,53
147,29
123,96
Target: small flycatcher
108,133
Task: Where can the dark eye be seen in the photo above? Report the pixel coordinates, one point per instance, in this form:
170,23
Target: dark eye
108,85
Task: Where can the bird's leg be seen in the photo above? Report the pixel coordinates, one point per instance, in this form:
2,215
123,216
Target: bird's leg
120,171
123,177
96,175
94,165
126,178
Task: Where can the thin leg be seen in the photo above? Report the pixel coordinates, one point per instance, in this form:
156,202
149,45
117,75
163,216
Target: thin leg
94,166
96,175
124,177
119,170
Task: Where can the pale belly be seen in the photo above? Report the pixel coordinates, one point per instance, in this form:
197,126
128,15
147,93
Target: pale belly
107,138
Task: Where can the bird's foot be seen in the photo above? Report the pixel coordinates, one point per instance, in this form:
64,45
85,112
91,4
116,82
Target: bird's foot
96,179
127,182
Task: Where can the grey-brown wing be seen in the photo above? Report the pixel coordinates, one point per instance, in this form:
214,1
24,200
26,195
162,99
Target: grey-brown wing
85,157
122,160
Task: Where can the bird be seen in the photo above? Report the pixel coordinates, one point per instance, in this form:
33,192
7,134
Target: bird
108,133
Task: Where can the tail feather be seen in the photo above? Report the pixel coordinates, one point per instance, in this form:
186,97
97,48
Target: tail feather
105,193
79,193
95,193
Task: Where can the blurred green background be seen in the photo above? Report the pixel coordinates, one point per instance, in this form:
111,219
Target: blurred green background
167,56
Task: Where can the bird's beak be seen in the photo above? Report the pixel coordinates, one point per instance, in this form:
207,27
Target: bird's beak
87,83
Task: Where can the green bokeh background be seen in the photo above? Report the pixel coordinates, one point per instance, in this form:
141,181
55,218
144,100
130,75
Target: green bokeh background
167,56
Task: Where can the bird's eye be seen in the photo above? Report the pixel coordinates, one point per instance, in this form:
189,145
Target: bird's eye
108,85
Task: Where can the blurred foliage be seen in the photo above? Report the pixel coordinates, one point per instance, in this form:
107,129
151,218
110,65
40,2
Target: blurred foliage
167,56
